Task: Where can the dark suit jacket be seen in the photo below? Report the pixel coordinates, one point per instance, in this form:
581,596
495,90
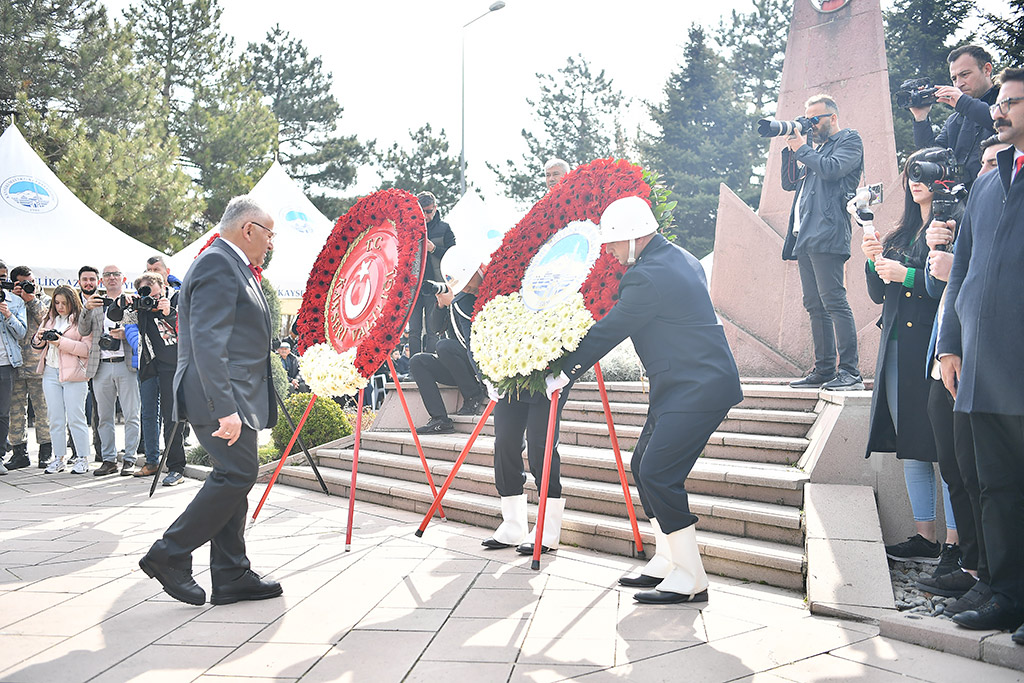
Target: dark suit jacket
983,321
828,175
223,343
664,306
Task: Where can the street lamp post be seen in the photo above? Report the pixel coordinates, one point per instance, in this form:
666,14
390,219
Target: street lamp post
495,6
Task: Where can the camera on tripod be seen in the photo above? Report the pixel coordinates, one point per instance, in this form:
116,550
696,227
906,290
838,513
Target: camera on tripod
916,92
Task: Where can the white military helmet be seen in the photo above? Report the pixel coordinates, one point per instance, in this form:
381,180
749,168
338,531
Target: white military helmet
627,219
458,266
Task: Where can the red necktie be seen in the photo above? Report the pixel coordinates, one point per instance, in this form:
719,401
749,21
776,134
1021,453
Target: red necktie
1017,165
257,272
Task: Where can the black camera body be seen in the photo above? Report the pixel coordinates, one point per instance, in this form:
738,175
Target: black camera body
942,173
770,128
916,92
145,302
108,343
9,285
50,335
434,288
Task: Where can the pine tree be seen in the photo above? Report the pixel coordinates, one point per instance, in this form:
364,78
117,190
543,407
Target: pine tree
578,112
1006,34
919,34
426,166
298,91
697,145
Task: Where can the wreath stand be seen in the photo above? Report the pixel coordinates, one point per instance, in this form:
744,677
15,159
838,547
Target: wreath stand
546,475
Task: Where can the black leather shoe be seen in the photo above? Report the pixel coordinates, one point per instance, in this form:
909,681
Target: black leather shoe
1018,635
494,544
17,462
249,586
656,597
639,581
992,615
527,549
178,583
105,469
972,599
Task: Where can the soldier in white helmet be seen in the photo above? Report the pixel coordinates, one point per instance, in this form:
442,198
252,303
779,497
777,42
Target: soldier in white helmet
462,270
665,308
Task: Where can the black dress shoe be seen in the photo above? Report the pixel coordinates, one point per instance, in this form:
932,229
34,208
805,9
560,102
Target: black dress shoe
249,586
640,581
993,615
178,583
494,544
1018,635
527,549
657,597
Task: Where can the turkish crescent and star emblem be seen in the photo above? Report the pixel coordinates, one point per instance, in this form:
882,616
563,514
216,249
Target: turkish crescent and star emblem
361,286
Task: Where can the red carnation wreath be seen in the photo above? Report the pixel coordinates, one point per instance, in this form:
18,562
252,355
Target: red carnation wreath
395,217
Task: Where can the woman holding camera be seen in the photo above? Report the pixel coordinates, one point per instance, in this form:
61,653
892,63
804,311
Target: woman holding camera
63,364
895,271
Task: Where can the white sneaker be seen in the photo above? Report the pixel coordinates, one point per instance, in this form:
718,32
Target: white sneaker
80,466
3,470
56,465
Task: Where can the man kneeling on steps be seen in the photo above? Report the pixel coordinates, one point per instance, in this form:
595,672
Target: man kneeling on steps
665,308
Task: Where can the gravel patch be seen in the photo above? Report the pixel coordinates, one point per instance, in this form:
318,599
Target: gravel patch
910,598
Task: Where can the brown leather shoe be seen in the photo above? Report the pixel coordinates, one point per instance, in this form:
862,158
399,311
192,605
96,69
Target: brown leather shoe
146,470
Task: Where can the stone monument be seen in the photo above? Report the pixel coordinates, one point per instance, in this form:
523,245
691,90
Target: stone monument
837,48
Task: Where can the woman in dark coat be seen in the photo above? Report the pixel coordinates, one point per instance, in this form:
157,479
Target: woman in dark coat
895,273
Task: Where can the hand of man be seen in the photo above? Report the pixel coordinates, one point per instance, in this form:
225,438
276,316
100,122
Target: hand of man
939,234
230,428
444,300
117,333
871,247
890,270
295,384
5,309
553,383
920,113
947,94
94,301
25,296
950,366
796,141
939,264
492,393
164,306
430,246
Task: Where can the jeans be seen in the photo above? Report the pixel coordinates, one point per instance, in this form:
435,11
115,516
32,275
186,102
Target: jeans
832,326
920,478
114,381
149,393
65,405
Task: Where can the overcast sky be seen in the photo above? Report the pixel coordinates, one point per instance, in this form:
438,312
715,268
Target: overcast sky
396,63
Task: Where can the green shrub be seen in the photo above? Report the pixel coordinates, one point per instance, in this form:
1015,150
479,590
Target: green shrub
326,422
278,374
620,365
197,455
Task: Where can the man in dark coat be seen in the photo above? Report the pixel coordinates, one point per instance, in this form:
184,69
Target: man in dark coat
426,322
982,365
818,239
223,387
665,308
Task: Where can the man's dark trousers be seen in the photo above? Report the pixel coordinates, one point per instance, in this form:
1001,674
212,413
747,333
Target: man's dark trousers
449,365
832,324
514,417
217,513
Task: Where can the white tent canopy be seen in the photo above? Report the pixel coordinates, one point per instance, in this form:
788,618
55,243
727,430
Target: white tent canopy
300,228
43,225
482,224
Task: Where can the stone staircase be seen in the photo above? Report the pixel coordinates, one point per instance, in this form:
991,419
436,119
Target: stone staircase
747,489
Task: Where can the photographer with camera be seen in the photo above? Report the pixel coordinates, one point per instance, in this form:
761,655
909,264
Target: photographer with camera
819,234
64,365
28,384
450,364
13,325
114,375
153,314
971,95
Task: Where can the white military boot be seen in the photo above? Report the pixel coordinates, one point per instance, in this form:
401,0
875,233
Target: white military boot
657,568
512,529
687,581
552,529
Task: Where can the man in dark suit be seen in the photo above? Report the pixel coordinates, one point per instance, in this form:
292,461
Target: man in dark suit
665,308
982,364
223,387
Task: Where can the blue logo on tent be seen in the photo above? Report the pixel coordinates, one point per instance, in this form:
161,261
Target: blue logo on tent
493,234
297,220
28,194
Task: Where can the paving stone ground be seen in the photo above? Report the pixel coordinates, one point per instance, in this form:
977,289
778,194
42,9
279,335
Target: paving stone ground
74,605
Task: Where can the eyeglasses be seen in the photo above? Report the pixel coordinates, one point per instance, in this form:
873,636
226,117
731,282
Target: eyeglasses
815,119
113,273
269,231
1003,106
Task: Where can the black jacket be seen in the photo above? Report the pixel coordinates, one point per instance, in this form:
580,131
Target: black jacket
962,132
440,233
665,308
983,320
828,176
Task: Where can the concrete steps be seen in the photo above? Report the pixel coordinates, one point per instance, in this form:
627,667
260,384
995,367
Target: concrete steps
745,489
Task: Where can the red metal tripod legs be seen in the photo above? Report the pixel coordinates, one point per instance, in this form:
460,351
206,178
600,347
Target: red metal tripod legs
355,464
415,436
549,446
284,456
